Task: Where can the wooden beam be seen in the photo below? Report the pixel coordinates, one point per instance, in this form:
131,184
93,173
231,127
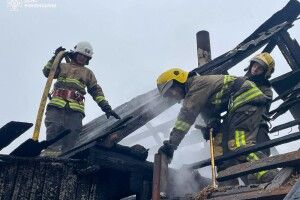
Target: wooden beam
262,194
156,177
292,46
285,125
281,178
294,193
284,160
104,158
242,51
161,128
160,176
12,130
270,46
286,51
245,151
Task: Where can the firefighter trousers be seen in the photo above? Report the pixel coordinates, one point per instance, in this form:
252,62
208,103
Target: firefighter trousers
59,119
241,128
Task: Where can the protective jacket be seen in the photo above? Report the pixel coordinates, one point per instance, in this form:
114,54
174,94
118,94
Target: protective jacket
264,85
75,78
214,94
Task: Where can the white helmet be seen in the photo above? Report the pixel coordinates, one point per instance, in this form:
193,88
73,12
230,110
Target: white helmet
84,48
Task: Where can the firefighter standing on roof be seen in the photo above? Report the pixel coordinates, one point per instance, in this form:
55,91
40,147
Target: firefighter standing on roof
212,95
66,107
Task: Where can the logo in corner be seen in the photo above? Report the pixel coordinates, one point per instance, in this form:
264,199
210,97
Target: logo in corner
14,5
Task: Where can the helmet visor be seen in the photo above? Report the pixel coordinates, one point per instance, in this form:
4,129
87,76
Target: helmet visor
163,88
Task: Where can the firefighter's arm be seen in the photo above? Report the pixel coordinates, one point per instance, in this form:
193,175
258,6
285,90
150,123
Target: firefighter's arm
95,90
186,118
47,67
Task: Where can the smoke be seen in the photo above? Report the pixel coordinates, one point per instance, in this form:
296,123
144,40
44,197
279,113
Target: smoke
184,181
192,149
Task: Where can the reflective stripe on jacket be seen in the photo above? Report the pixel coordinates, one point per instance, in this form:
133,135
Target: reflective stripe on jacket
245,97
73,77
210,95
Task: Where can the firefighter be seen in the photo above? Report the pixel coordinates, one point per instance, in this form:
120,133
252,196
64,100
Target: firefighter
212,95
259,71
66,107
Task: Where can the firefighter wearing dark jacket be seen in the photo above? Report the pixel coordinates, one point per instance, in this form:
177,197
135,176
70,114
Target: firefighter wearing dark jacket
259,71
213,95
66,107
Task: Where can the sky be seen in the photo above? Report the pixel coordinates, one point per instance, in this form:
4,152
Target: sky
134,41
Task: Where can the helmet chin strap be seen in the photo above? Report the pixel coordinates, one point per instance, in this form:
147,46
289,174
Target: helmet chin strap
72,55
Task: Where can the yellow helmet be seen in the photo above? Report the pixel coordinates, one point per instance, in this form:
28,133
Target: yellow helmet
265,60
167,79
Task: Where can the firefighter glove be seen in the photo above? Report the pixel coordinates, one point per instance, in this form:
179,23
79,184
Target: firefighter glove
109,112
59,49
168,149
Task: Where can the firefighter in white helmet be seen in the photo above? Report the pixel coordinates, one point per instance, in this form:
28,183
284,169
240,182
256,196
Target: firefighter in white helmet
66,107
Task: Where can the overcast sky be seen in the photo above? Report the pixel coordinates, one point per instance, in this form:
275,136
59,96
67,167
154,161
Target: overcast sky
133,40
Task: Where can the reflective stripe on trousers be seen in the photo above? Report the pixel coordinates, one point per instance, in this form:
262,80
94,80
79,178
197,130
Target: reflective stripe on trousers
240,140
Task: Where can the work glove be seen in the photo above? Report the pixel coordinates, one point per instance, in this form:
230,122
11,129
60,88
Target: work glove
109,112
168,149
169,146
59,49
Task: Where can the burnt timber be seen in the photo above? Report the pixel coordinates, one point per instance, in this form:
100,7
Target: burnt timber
108,175
96,168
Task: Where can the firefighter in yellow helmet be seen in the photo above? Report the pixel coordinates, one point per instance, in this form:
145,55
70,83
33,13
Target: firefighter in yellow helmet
66,107
259,71
211,95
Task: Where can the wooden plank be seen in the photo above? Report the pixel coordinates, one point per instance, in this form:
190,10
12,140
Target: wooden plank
293,47
8,181
68,183
283,175
156,177
146,192
10,131
138,109
245,151
93,190
284,160
294,193
38,181
277,194
51,189
113,160
232,190
164,175
83,188
285,125
286,52
163,128
23,183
